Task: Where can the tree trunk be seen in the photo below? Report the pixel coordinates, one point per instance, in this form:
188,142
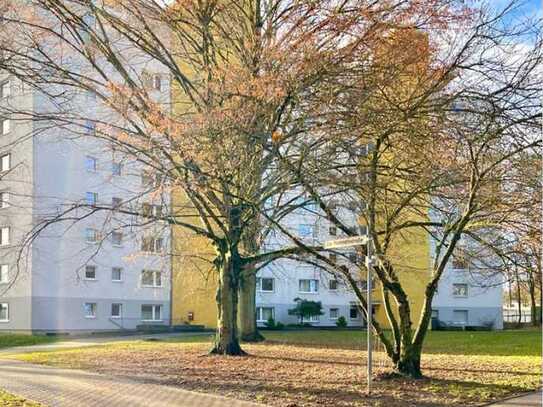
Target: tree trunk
409,362
533,301
247,308
227,339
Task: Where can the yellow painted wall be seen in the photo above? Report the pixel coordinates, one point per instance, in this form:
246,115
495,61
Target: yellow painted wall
411,258
194,281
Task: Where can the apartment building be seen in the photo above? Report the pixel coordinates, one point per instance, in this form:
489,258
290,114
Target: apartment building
469,295
97,270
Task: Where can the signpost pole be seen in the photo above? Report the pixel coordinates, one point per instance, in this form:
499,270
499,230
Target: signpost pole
369,313
357,241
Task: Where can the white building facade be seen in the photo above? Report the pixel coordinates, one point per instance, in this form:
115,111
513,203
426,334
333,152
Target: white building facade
98,273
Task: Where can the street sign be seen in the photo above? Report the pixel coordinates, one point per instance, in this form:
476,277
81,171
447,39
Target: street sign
346,242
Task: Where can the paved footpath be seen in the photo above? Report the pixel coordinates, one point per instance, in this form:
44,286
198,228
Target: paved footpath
85,342
75,388
528,400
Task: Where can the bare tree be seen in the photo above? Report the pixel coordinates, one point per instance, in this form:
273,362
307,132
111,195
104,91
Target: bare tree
424,139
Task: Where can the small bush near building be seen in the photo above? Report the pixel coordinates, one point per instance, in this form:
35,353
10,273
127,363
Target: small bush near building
271,324
341,322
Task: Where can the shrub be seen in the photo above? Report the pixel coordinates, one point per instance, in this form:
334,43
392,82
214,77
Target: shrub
341,322
271,324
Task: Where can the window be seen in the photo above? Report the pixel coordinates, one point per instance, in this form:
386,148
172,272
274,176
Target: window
334,313
151,278
92,235
459,264
151,312
305,230
460,290
116,310
151,244
5,162
4,236
332,230
90,309
308,286
4,269
265,284
90,272
5,89
353,258
149,179
90,164
4,312
4,199
312,318
435,314
333,258
332,284
88,26
263,314
353,312
157,82
460,317
149,210
5,126
90,127
117,238
91,198
116,202
116,168
116,274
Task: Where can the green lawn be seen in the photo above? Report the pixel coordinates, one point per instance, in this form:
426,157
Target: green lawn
9,400
9,340
494,343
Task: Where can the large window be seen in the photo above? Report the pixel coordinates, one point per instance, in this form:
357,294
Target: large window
305,230
4,236
5,126
116,168
459,263
92,235
149,210
4,312
149,179
117,238
116,274
151,312
90,309
332,285
334,313
5,162
151,244
460,290
91,198
263,314
4,199
151,278
265,284
5,89
312,318
91,164
116,310
353,312
308,286
90,272
4,276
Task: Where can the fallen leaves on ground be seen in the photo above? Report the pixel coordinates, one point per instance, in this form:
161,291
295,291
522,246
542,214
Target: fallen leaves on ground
296,376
